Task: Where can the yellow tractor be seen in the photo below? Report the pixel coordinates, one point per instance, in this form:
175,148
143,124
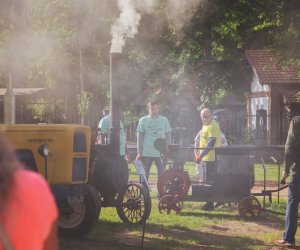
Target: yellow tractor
83,177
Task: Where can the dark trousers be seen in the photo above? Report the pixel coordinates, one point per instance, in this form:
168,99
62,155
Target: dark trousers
291,215
208,170
147,162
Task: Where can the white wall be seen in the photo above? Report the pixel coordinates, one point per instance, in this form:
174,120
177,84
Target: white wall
256,86
258,102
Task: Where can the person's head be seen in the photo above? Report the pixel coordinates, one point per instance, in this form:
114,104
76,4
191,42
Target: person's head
152,108
206,116
106,111
8,164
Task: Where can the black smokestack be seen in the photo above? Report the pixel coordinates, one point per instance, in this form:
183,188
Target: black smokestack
115,107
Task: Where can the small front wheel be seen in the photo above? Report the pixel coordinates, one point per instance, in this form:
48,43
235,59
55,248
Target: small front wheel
134,205
169,203
249,206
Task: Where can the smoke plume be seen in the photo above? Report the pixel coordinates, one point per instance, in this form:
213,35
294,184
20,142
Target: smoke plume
125,26
178,12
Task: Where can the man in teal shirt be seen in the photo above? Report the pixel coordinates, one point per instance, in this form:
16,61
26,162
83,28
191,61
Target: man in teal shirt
104,126
150,128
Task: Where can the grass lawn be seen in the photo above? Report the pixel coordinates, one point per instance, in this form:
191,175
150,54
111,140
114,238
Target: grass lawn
192,229
271,171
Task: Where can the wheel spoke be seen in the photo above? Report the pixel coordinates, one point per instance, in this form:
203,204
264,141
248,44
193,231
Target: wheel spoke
173,182
133,209
169,203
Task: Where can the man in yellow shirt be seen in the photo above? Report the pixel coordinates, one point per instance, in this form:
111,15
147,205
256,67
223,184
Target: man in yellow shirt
209,138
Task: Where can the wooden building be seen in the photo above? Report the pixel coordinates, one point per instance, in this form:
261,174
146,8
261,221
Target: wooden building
23,98
274,89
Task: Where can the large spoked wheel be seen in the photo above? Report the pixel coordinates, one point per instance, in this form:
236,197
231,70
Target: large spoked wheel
173,182
169,203
249,206
77,218
134,206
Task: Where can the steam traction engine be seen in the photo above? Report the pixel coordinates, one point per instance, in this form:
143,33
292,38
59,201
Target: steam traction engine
232,181
109,171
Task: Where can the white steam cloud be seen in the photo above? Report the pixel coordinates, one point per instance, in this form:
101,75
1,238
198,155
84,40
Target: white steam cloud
179,12
125,26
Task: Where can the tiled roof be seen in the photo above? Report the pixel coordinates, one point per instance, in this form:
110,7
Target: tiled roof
290,96
265,66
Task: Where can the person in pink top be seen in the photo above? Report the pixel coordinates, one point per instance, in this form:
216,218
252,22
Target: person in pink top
28,213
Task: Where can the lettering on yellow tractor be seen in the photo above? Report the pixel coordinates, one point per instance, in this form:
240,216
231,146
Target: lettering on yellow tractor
80,155
40,140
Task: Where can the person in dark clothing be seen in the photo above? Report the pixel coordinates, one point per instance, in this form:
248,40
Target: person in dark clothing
292,168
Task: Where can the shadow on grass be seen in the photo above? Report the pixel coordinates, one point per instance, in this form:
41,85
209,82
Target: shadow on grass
103,237
211,215
116,235
266,219
113,235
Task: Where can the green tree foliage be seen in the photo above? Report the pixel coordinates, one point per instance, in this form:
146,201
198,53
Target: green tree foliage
191,49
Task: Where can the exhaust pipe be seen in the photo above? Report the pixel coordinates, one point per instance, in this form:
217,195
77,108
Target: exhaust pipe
115,107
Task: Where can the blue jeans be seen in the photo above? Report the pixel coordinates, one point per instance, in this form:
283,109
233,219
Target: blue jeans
291,216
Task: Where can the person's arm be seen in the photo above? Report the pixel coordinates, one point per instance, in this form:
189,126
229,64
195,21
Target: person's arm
51,242
140,137
210,144
223,139
127,155
288,159
197,145
100,124
213,136
168,135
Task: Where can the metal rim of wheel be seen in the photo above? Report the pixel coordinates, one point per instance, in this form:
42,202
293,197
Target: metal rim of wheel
71,215
173,182
249,206
170,203
135,204
78,217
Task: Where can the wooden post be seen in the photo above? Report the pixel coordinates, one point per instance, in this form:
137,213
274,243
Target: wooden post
9,104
